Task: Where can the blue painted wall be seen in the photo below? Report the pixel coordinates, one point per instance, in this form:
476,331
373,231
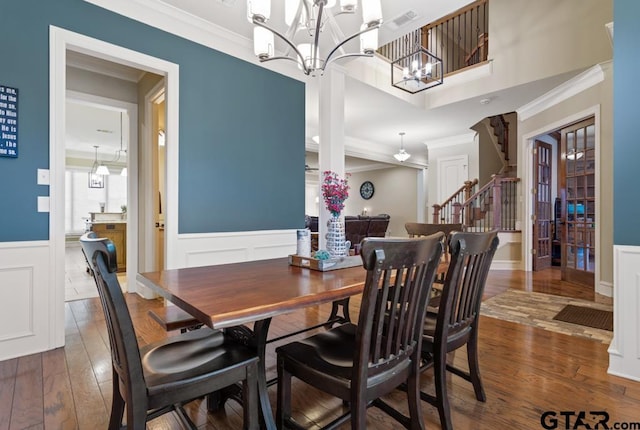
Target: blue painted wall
626,111
241,126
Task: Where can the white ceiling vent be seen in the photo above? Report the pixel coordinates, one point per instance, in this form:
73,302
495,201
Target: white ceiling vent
403,19
227,2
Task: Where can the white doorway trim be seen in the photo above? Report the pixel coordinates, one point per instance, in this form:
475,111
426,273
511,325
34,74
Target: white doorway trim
148,248
526,173
60,41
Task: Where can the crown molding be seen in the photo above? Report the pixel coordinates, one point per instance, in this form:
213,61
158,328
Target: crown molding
374,152
562,92
176,21
460,139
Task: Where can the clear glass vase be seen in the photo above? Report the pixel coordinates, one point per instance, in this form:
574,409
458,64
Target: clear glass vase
336,243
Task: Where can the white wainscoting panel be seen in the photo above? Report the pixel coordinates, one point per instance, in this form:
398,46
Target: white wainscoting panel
221,248
25,294
624,351
195,250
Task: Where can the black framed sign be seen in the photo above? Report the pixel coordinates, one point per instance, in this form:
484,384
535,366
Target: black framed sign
8,121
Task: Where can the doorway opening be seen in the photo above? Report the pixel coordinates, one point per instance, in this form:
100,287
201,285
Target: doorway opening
98,133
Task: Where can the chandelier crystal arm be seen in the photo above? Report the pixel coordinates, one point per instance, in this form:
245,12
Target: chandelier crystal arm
371,26
257,20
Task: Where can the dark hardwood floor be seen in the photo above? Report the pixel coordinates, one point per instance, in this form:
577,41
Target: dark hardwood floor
526,371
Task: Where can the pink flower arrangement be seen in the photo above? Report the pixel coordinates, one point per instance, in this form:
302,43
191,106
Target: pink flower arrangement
334,191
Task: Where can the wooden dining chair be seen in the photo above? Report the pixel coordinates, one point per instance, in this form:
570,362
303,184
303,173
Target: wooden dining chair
417,229
360,363
456,322
162,376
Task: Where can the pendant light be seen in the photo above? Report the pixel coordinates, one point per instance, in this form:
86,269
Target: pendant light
402,155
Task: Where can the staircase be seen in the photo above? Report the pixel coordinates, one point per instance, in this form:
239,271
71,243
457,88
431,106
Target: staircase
501,132
494,206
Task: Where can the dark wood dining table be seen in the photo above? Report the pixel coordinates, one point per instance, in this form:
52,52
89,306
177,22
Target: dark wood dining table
232,296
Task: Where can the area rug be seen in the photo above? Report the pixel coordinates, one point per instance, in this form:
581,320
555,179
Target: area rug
589,317
539,310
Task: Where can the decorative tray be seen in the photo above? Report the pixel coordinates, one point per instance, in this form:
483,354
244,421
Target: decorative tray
325,265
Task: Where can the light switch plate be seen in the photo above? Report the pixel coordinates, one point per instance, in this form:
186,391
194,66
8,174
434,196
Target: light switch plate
43,177
43,203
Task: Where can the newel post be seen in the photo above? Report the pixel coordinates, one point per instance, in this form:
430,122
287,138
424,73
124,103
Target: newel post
497,202
436,213
468,187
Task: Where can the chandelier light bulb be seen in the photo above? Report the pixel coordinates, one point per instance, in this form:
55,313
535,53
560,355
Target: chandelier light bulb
368,40
258,8
262,42
371,11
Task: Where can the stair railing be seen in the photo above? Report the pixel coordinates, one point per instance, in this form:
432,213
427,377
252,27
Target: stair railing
494,206
446,212
460,39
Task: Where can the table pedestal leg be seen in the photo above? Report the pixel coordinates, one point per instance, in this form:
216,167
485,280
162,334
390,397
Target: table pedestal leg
257,339
335,317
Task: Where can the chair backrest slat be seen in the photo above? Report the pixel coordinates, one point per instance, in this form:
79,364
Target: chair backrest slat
400,273
471,257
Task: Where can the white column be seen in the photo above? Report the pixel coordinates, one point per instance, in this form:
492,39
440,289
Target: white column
331,147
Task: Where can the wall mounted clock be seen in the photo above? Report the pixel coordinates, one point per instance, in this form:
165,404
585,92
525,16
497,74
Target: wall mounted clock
366,190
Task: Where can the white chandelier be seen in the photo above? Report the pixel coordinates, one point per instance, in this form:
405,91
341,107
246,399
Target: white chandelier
402,155
308,19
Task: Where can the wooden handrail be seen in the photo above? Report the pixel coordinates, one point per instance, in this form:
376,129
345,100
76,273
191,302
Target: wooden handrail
501,207
466,189
479,52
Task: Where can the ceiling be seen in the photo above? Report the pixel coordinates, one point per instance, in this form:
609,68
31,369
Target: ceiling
371,115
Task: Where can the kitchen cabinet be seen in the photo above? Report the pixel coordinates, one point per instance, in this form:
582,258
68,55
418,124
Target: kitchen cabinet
117,232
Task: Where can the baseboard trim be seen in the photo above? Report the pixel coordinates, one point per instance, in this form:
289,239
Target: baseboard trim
605,288
505,265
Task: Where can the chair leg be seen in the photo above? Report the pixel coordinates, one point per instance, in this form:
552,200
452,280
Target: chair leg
474,366
358,414
117,405
283,409
136,417
413,397
250,399
440,374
